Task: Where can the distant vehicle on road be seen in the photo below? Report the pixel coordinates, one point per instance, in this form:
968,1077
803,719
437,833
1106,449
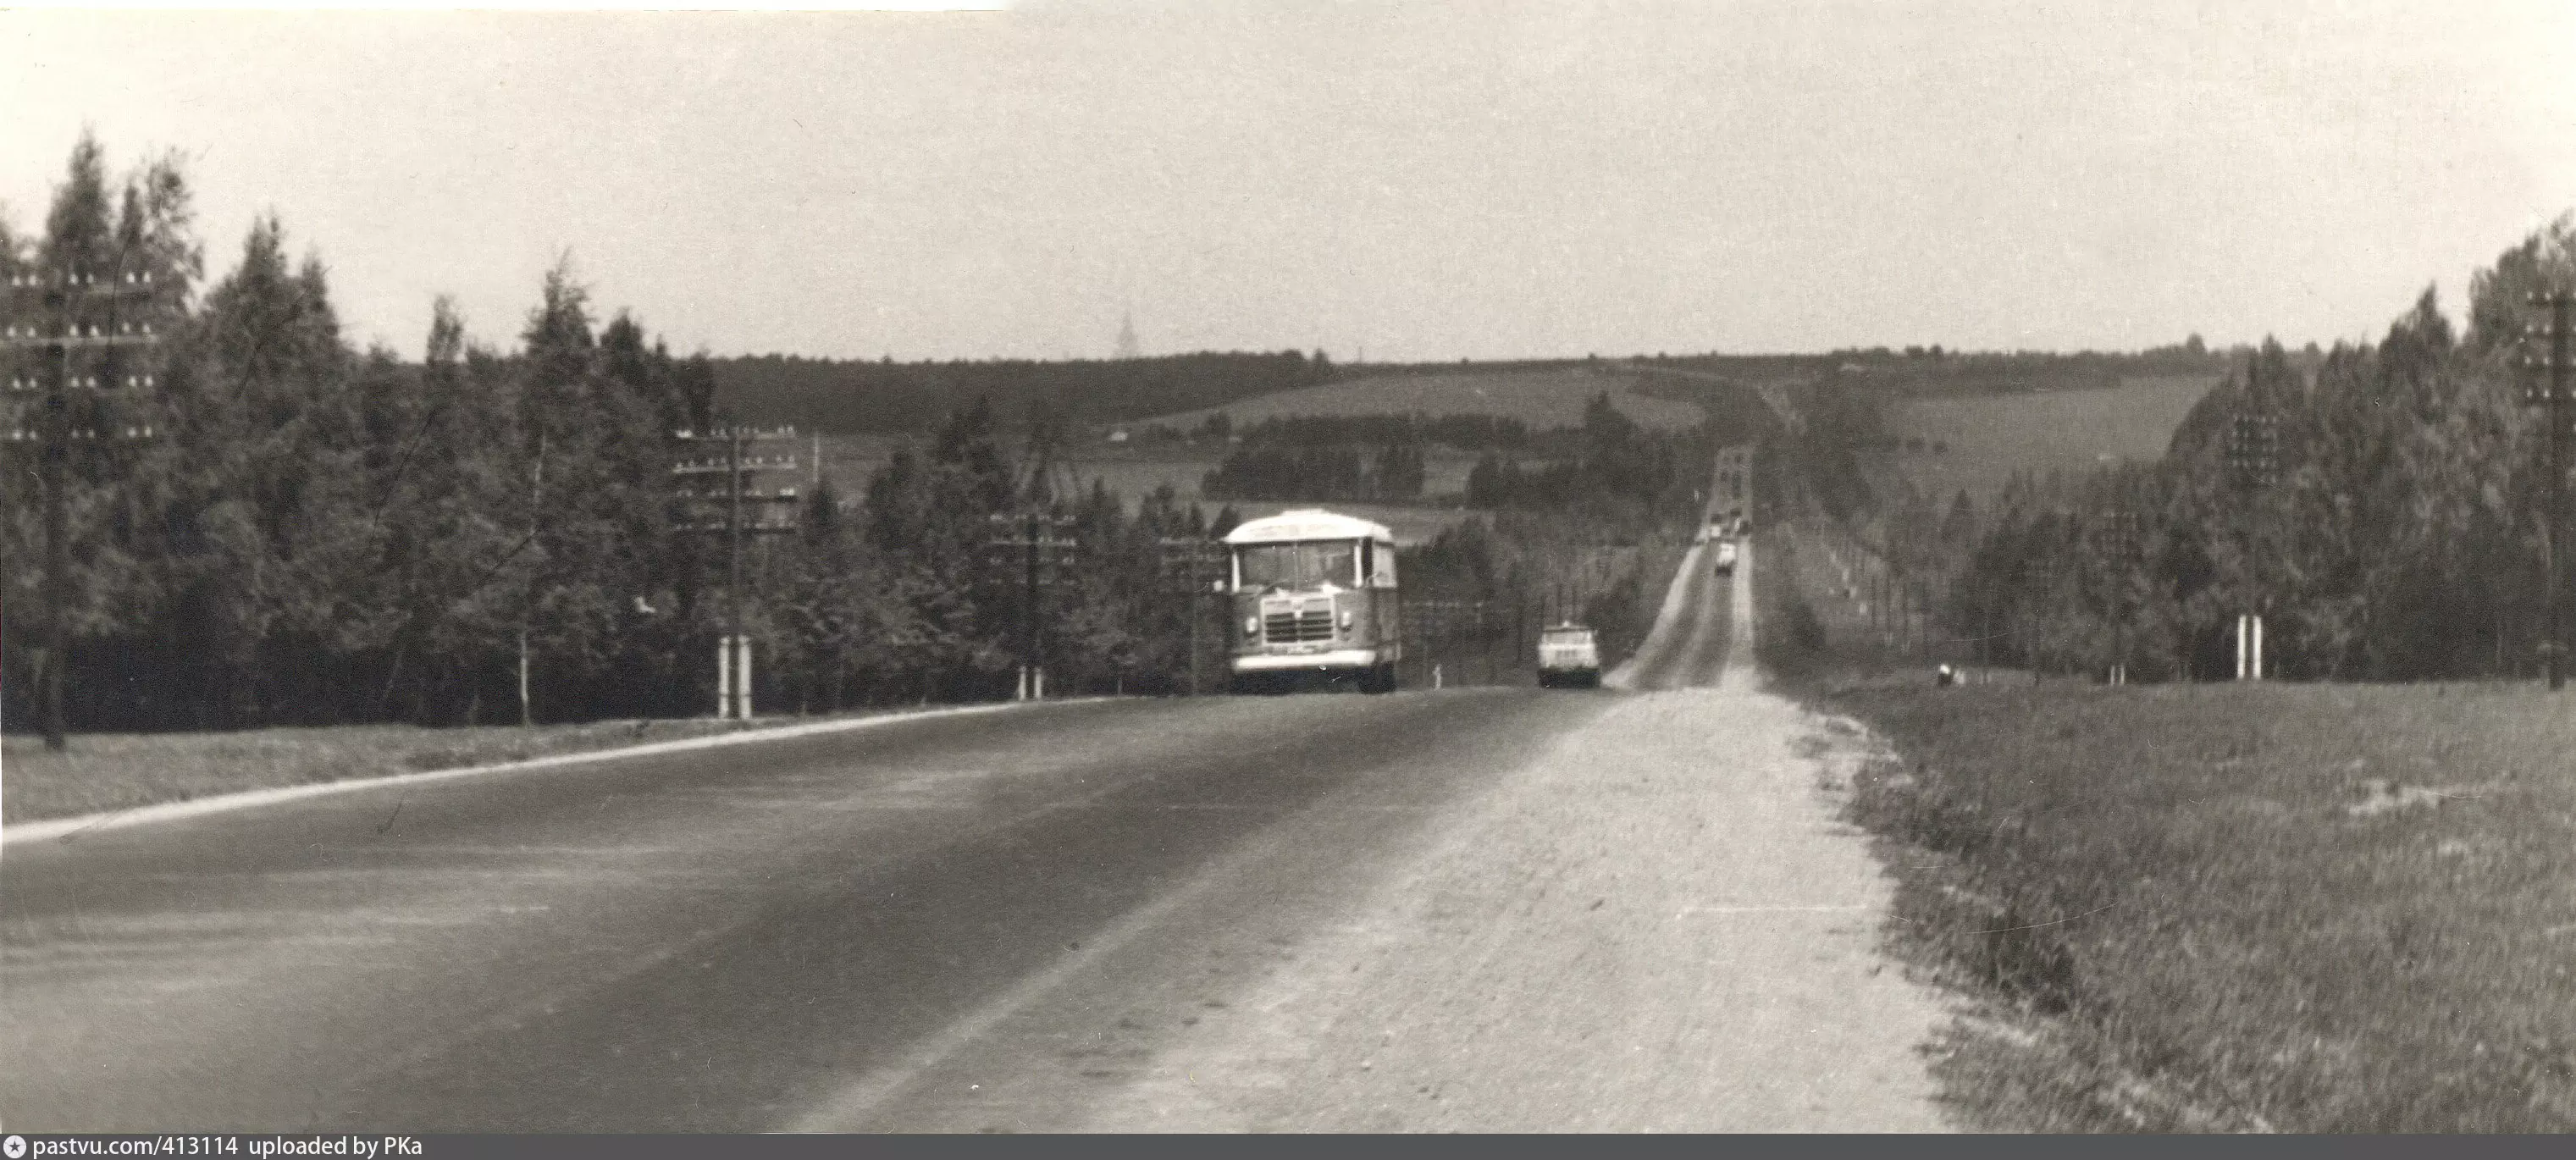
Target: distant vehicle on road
1568,654
1315,603
1726,557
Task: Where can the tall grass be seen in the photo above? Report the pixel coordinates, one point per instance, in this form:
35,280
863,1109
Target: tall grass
2335,908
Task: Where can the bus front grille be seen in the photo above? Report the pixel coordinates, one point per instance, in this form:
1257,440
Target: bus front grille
1297,627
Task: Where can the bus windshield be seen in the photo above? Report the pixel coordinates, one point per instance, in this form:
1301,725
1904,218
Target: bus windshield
1303,565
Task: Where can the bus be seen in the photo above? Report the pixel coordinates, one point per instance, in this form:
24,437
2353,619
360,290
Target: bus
1314,603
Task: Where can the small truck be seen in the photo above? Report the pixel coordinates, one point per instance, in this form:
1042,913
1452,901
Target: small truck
1568,656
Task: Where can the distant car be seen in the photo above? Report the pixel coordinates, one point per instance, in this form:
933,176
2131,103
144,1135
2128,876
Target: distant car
1568,654
1726,557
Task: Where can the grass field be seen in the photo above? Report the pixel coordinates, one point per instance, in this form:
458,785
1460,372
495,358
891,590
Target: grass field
1540,398
1543,398
116,771
2314,908
1989,437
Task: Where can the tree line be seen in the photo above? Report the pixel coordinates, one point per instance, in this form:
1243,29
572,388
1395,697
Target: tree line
322,534
1618,475
885,396
475,534
2381,505
1389,474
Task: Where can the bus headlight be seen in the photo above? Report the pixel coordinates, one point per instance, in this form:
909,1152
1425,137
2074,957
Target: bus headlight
1346,620
1252,626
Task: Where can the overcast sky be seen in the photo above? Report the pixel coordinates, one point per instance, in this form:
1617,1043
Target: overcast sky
1425,181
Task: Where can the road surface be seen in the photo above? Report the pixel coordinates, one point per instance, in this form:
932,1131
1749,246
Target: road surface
1478,909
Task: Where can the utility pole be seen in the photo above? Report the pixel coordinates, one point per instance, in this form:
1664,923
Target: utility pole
2254,462
2551,396
2121,550
1197,567
80,318
1029,647
1035,541
536,508
748,511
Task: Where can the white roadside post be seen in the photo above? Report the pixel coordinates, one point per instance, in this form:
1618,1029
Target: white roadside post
735,507
724,678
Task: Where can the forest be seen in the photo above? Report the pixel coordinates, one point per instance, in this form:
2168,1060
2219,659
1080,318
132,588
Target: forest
2381,505
318,534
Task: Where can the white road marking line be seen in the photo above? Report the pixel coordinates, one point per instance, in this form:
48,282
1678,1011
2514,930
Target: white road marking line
250,799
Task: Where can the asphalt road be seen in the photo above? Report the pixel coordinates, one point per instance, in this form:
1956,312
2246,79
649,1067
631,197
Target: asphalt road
703,941
1069,916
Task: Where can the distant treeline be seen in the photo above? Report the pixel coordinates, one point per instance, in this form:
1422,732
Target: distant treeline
1932,371
854,396
1346,457
1464,432
1388,474
883,396
2380,504
1620,476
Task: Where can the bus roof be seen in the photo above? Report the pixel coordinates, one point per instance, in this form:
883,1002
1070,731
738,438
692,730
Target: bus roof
1306,524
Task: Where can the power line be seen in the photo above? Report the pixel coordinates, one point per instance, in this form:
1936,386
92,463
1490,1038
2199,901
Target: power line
2551,396
721,508
79,326
1043,545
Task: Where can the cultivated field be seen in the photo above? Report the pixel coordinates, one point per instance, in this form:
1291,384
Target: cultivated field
2311,908
1540,398
1987,438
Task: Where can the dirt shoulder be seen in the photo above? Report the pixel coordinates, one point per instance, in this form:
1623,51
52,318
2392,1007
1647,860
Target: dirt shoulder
1658,924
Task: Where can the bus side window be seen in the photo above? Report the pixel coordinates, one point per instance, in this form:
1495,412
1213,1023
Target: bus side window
1383,576
1368,563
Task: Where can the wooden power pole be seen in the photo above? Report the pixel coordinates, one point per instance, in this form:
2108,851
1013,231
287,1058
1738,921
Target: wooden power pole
79,323
2550,394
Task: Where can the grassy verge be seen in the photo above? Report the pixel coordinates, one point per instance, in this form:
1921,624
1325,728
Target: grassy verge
118,771
2316,908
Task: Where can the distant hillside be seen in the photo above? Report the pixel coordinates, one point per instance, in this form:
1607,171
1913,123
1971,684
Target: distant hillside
1948,445
861,397
1541,397
1924,373
855,397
